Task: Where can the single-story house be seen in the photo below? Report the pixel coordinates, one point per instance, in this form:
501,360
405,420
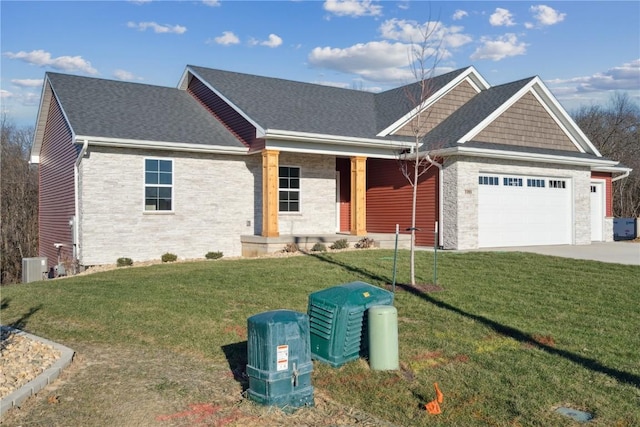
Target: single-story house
242,163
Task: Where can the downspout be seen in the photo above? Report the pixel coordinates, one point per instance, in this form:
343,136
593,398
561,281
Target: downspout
624,175
76,233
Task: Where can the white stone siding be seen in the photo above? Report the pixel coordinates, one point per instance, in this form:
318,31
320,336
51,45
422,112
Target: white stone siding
460,204
213,201
317,195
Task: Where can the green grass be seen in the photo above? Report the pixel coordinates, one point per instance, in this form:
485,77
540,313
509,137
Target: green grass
511,337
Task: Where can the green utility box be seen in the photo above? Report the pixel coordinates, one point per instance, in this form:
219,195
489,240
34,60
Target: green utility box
338,322
279,359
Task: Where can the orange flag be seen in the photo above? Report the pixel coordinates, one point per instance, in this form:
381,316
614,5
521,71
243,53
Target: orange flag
433,407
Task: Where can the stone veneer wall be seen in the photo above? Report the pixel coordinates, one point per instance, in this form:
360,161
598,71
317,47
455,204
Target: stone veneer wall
460,204
213,205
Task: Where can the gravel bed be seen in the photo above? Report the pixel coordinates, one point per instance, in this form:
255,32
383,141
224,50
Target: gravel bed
22,360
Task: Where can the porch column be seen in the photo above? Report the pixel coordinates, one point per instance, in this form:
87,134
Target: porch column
358,196
270,193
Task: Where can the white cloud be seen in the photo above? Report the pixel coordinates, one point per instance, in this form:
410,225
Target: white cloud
27,82
273,41
211,3
5,94
501,17
624,77
459,14
411,31
125,75
545,16
61,63
139,1
227,38
158,28
352,8
376,61
499,48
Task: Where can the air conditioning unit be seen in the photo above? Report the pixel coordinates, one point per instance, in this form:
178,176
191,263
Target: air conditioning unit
34,269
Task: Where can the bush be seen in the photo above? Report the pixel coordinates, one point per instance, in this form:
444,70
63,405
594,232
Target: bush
124,262
213,255
290,248
364,243
319,247
169,257
340,244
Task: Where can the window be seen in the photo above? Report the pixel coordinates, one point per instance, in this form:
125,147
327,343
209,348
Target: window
535,182
488,180
158,185
512,182
289,189
557,183
593,189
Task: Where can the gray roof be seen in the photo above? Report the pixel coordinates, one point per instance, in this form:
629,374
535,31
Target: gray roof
115,109
468,116
305,107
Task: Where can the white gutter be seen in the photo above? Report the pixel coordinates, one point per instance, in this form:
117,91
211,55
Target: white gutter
162,145
529,157
76,233
282,135
624,175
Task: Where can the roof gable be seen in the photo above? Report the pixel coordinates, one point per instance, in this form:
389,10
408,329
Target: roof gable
98,108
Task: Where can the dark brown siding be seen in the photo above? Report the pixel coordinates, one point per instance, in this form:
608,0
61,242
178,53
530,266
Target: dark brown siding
344,167
389,197
57,190
237,124
608,190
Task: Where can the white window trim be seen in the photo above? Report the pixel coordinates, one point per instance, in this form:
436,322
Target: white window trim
299,190
144,187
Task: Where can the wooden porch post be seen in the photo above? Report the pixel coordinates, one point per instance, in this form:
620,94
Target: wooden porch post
270,193
358,196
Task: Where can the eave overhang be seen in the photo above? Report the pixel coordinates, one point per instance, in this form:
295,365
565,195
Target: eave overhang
159,145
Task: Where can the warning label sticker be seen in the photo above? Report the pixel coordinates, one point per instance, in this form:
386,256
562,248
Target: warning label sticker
282,357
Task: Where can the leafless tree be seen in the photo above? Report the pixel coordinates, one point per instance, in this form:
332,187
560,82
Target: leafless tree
615,131
19,210
424,57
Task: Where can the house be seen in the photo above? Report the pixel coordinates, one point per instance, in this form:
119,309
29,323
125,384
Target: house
243,164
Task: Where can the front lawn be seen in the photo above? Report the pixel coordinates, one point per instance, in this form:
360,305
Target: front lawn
511,337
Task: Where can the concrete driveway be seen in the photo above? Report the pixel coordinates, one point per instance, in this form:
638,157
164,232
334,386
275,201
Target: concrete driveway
613,252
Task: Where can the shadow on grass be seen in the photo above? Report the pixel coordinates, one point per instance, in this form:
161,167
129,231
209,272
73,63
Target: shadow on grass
591,364
351,269
236,355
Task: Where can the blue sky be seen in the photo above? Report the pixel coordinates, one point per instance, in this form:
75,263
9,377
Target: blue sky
583,51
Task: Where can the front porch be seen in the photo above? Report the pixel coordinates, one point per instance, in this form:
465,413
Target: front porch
255,246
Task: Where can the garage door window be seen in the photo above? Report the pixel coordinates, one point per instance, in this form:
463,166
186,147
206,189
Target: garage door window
488,180
557,183
512,182
535,183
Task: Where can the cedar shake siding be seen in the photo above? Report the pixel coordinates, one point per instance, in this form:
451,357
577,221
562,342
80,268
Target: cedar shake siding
57,193
442,109
389,197
237,124
608,190
527,124
343,166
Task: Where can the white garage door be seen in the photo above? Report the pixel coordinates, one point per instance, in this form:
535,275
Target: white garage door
516,210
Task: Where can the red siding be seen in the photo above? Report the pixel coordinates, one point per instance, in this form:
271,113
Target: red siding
389,197
57,190
235,122
608,190
344,167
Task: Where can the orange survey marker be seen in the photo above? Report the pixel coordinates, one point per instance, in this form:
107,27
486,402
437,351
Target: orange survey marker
433,407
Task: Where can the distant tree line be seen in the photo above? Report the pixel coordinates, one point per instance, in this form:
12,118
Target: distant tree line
615,131
19,201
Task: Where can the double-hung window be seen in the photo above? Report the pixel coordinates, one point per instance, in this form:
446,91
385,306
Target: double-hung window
289,189
158,185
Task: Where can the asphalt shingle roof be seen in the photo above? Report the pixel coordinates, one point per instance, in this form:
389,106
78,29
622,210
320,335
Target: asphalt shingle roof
114,109
304,107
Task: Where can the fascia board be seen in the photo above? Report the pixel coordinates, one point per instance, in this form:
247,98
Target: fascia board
304,137
612,169
159,145
525,157
471,75
259,129
329,149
